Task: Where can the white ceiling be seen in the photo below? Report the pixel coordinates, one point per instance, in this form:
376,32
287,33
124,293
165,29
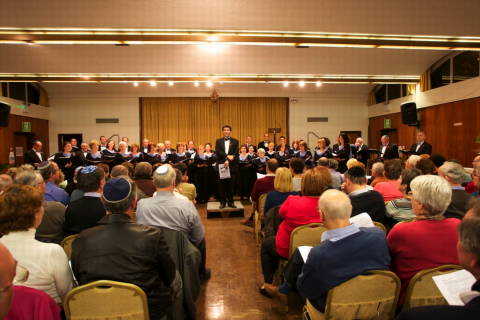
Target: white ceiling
411,17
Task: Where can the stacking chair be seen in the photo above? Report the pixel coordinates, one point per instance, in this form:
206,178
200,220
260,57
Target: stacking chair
258,217
306,235
67,245
380,226
106,300
423,291
373,295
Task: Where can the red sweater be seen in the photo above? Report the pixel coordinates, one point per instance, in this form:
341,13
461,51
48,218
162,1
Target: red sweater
261,186
420,245
295,211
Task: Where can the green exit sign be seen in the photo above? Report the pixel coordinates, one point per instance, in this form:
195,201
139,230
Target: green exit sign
26,126
387,123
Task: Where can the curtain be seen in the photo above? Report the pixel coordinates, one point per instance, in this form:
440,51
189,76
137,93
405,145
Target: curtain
201,120
425,81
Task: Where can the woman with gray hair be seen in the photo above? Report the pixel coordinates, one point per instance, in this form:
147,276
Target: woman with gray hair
430,240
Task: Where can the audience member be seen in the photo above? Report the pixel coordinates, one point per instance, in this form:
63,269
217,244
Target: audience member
51,175
389,189
336,176
426,166
470,187
172,212
106,170
51,227
143,180
87,211
118,171
378,170
130,167
187,189
362,198
295,211
75,192
345,251
454,173
468,250
5,182
7,274
412,161
401,209
430,240
265,184
297,165
283,188
354,163
129,252
21,213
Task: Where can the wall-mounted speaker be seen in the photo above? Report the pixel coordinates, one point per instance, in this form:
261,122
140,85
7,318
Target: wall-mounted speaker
409,113
4,113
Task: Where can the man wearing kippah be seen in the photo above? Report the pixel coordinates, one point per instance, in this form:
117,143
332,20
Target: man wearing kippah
120,250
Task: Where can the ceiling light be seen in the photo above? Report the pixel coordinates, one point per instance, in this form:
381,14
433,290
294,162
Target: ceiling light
135,84
285,84
318,84
153,83
170,83
301,84
196,84
209,83
212,38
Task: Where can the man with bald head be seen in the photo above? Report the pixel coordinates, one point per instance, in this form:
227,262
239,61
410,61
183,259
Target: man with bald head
387,150
7,273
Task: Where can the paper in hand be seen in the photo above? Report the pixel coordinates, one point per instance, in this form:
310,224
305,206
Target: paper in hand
451,285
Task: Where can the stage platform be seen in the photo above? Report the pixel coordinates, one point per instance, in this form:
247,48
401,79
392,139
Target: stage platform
214,211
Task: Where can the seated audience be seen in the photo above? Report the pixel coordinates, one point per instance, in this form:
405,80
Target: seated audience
283,189
86,212
430,240
362,198
118,171
187,189
7,275
345,252
297,165
106,169
295,211
468,251
51,175
336,176
73,187
51,227
389,189
21,212
265,184
378,176
5,182
412,161
165,209
470,187
29,303
129,252
354,163
143,180
454,173
401,209
426,166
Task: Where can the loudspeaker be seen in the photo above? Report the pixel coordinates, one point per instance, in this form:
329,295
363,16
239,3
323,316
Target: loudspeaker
409,113
4,112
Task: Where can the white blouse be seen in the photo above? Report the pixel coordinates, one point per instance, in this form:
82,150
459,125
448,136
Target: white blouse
46,263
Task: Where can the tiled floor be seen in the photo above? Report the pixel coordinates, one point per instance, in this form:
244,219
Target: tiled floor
232,256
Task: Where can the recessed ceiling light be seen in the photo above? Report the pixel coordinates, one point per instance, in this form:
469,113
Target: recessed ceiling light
170,83
301,84
212,38
319,83
196,84
153,83
135,84
209,83
285,84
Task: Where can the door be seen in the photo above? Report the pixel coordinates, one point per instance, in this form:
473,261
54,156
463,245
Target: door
352,135
22,141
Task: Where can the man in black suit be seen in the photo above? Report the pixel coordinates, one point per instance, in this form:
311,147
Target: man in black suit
226,149
35,155
75,148
387,150
266,140
361,151
469,257
248,143
421,147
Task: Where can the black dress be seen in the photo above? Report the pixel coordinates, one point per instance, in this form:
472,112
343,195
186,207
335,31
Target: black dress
92,159
317,154
151,158
307,157
245,178
202,164
270,155
212,176
342,155
109,157
283,158
65,162
259,165
121,158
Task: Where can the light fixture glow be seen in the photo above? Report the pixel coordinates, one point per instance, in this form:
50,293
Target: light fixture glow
301,84
212,38
285,84
153,83
196,83
135,84
209,83
170,83
318,84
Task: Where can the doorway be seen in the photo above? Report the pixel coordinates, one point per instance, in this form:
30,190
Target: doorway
352,135
22,142
62,137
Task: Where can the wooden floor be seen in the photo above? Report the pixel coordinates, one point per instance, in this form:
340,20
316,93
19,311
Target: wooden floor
233,258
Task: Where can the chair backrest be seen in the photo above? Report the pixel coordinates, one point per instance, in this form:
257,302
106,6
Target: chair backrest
67,244
380,226
423,291
372,295
106,300
261,205
306,235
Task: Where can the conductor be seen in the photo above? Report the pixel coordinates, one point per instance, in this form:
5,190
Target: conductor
226,149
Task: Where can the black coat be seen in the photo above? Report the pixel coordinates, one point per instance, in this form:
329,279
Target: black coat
232,151
361,154
82,214
119,250
425,148
31,157
391,152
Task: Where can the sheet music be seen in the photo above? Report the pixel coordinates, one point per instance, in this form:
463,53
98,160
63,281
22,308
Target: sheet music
224,171
304,251
260,176
451,285
362,220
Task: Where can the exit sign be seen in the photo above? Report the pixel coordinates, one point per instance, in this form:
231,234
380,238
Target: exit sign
387,123
26,126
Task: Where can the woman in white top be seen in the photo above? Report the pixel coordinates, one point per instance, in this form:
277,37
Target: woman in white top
21,211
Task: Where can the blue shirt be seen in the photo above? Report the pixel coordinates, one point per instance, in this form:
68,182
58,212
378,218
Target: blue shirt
55,193
338,234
